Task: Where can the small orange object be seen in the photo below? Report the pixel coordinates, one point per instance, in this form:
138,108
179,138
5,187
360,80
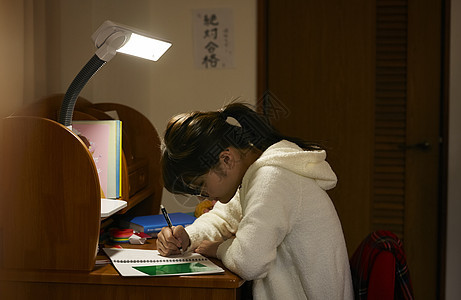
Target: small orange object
204,207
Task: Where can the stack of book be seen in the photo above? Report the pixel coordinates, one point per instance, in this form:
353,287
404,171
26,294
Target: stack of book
103,139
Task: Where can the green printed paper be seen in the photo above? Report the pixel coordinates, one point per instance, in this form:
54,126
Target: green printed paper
174,269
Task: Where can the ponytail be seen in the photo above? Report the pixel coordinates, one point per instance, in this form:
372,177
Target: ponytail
255,131
258,130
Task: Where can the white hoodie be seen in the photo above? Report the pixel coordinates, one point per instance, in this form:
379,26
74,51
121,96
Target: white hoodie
281,229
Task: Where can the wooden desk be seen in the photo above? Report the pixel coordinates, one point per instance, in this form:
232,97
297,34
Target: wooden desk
105,283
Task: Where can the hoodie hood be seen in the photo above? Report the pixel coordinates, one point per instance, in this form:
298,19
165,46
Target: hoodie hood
288,155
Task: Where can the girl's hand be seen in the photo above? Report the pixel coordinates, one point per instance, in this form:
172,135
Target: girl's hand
169,240
207,248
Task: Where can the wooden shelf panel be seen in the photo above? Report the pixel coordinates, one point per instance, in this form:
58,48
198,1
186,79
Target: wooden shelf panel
51,187
52,197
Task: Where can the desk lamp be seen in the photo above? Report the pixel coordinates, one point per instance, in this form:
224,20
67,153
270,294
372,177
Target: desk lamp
109,39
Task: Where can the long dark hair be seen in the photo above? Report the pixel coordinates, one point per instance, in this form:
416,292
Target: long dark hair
193,142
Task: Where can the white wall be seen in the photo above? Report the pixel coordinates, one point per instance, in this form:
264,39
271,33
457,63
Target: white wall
11,56
453,271
166,87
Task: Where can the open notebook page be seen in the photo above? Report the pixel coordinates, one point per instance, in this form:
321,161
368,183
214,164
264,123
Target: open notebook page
139,262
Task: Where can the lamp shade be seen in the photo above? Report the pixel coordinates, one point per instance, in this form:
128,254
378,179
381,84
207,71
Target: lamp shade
111,37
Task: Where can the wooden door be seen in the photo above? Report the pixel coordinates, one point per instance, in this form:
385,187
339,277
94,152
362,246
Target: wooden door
363,78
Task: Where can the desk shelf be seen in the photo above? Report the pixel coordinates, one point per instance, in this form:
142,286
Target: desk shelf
50,212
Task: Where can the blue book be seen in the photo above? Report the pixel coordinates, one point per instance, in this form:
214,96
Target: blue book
152,224
118,166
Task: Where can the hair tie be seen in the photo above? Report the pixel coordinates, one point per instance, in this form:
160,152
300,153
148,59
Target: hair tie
228,118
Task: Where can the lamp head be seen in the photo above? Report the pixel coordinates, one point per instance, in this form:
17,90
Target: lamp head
111,37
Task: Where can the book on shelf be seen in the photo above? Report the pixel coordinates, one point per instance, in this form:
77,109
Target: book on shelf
152,224
104,141
141,262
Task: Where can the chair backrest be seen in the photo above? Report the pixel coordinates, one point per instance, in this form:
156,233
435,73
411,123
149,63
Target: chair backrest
379,269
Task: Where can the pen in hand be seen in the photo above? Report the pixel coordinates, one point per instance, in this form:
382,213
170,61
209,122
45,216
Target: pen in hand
168,221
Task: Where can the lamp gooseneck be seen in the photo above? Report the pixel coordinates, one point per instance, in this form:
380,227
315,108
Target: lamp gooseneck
68,104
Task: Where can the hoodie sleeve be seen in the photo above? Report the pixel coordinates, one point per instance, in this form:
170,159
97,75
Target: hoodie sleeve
216,225
271,203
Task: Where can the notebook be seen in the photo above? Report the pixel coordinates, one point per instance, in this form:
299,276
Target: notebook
139,262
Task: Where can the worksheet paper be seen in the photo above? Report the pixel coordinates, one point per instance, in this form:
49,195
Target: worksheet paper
140,262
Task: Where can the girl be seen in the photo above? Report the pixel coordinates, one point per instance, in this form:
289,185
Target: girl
273,223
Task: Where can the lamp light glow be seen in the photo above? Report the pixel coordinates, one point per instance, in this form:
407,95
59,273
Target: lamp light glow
109,39
144,47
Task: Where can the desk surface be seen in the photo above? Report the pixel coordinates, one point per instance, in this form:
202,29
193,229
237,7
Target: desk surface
103,279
